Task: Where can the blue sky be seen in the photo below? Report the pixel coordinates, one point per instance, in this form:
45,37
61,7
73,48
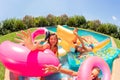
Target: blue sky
107,11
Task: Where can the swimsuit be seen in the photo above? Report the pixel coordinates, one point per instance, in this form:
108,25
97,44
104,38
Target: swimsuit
91,45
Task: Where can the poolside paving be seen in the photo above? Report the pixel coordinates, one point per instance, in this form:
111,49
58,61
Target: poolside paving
116,65
116,69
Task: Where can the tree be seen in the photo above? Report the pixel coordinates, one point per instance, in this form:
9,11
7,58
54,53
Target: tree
0,28
93,25
41,21
29,21
11,25
71,21
51,20
112,28
103,28
79,20
62,20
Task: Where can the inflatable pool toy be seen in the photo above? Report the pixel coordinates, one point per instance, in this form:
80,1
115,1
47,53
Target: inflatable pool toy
38,32
61,51
90,39
101,45
20,60
87,66
67,37
108,54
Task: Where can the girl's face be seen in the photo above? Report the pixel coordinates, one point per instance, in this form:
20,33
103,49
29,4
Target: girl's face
53,40
94,73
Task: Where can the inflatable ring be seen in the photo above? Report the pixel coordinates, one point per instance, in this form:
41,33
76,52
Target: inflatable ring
87,66
20,60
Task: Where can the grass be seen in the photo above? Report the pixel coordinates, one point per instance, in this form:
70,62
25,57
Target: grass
117,41
2,71
11,37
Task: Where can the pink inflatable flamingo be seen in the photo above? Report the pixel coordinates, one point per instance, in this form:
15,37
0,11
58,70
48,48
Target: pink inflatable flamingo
22,61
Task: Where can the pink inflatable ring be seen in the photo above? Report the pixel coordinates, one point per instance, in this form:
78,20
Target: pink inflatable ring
87,66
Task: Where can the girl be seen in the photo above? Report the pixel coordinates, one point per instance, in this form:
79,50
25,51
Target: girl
51,44
83,48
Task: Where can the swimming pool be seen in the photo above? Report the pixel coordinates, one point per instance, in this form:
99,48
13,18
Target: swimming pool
71,62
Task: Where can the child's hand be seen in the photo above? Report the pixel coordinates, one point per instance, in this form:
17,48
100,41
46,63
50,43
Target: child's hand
52,68
19,41
26,38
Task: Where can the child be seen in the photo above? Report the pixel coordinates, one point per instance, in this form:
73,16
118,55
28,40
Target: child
51,68
82,48
75,38
51,44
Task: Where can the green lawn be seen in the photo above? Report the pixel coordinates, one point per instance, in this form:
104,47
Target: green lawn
117,41
11,37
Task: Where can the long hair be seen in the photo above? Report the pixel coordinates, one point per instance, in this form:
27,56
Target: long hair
56,45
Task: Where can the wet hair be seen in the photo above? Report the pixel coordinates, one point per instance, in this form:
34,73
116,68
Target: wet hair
76,47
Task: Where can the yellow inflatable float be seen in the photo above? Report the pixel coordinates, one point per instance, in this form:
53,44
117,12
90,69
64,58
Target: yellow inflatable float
100,45
67,37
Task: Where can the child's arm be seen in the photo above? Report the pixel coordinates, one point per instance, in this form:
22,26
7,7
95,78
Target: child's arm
52,68
67,71
80,39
